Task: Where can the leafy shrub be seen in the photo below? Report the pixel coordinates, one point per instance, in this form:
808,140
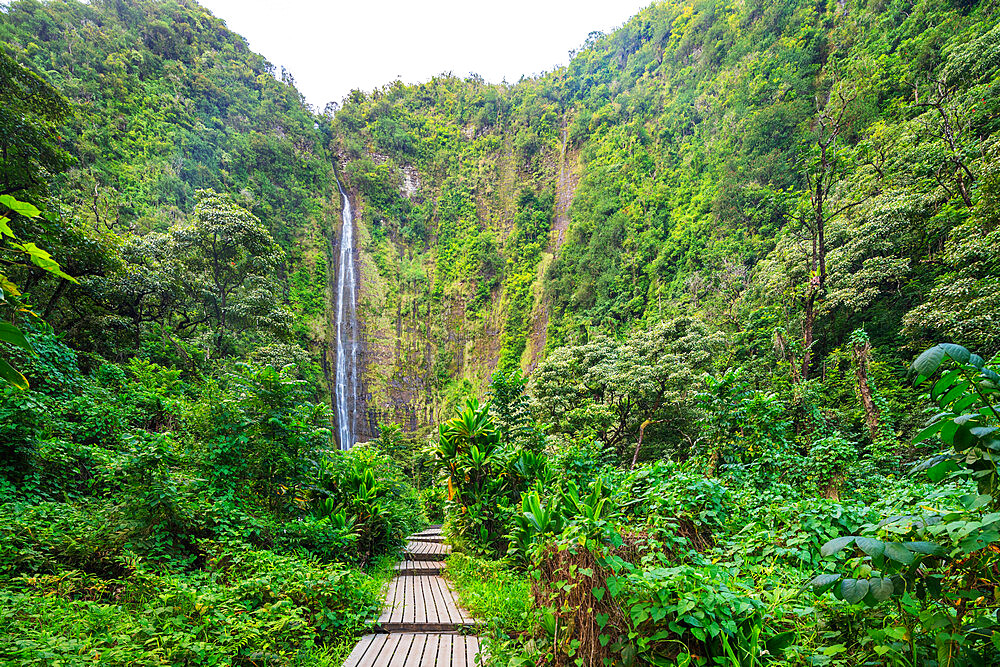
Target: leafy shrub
247,606
703,611
792,532
485,479
433,500
668,494
365,491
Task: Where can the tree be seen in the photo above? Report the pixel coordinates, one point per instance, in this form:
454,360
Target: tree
825,167
146,286
615,391
229,257
32,109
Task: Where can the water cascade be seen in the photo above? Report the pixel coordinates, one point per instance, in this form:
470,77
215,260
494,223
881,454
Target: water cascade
347,327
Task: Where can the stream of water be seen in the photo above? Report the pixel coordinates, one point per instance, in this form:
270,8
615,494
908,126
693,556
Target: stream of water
347,327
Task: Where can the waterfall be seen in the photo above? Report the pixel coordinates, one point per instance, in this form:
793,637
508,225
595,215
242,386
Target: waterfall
347,327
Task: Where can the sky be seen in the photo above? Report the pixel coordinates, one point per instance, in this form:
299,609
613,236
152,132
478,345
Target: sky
333,47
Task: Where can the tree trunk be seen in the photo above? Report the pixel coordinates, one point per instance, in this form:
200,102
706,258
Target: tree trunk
862,355
638,445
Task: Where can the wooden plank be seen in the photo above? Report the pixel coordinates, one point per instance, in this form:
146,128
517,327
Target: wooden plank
472,645
430,656
359,651
426,551
378,647
442,607
446,650
390,600
402,650
419,567
411,602
410,649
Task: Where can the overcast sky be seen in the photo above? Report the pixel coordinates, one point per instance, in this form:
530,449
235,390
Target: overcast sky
333,47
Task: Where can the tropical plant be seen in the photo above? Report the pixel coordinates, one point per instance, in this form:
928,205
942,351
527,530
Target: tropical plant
18,254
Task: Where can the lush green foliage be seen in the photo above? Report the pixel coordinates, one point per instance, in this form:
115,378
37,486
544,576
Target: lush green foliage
492,591
686,272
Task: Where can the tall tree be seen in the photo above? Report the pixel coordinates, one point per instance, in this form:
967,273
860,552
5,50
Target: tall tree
230,258
826,165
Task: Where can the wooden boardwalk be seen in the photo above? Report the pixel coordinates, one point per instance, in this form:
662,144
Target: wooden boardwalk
419,567
421,619
421,550
414,650
424,603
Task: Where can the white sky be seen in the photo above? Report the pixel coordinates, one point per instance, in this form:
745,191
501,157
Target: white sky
333,47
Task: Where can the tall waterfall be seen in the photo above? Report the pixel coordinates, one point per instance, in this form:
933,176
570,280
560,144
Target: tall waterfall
347,329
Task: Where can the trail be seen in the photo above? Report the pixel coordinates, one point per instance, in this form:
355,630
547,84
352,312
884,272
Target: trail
421,622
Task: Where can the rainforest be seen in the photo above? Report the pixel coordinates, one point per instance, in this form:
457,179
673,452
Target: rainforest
690,347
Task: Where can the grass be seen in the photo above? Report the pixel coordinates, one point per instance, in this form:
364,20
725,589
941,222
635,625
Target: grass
492,591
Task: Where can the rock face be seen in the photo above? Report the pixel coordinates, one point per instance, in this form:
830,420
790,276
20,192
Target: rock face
430,336
411,182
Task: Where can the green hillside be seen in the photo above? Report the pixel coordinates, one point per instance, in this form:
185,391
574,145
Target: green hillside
692,344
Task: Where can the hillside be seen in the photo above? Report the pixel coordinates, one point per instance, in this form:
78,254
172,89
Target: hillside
691,141
690,345
166,101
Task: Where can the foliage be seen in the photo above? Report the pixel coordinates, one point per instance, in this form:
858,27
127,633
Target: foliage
492,592
13,253
364,491
485,479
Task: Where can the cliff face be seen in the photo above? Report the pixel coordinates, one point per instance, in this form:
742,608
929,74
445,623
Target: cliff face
434,297
666,171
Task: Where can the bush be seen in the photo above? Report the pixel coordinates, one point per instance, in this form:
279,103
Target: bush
247,606
365,491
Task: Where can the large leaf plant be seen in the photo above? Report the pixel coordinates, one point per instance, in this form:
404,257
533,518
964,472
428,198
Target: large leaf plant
17,253
938,563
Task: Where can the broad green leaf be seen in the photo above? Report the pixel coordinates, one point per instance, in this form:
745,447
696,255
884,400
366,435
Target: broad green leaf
881,588
928,432
948,430
956,352
927,363
5,229
823,582
870,546
981,432
966,418
940,470
43,260
9,288
977,361
947,379
854,590
11,334
963,439
954,393
835,545
12,377
20,207
898,553
928,548
962,404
